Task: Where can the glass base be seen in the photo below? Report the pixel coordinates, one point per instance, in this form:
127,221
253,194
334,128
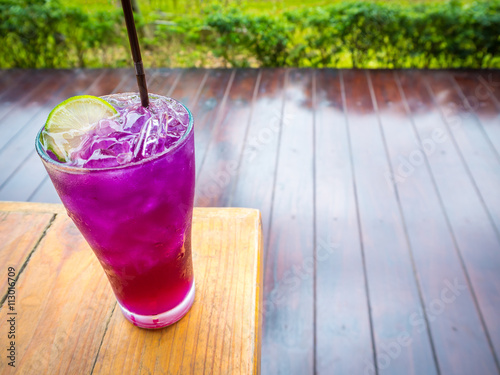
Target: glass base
164,319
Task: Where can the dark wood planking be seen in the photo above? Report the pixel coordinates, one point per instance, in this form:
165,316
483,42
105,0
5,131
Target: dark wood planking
491,80
288,342
479,100
207,109
474,234
202,92
45,192
255,180
23,122
9,79
393,290
454,322
205,128
160,81
18,159
35,94
480,156
343,338
164,81
107,82
219,168
255,183
128,82
157,80
22,89
16,188
256,173
189,87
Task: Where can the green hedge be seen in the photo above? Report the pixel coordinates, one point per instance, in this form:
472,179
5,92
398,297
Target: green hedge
41,33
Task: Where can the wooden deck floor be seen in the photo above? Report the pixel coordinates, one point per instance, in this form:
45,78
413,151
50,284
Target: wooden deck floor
379,192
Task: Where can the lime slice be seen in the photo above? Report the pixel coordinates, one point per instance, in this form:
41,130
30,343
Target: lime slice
71,120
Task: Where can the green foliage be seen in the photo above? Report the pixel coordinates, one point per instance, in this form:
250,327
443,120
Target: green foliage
43,34
453,34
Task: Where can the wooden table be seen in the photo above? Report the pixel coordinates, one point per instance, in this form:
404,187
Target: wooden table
67,320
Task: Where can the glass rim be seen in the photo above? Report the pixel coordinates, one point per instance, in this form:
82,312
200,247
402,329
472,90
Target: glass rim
70,168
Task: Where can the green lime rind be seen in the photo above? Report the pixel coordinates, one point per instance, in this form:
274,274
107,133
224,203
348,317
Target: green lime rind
70,120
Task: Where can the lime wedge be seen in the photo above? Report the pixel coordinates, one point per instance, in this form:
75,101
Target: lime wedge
71,120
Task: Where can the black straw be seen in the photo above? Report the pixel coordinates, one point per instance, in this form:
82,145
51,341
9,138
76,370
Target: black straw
136,52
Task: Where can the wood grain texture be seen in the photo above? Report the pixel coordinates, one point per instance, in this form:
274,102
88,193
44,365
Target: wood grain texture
70,323
33,100
220,165
472,142
475,236
479,100
209,111
288,342
455,325
491,80
19,235
20,90
63,300
393,290
257,170
342,318
9,79
441,222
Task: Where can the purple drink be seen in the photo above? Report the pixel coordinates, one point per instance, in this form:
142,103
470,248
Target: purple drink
129,188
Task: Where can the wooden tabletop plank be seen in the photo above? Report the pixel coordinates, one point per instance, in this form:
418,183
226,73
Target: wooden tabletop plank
196,343
289,274
63,301
475,237
219,167
454,323
70,322
393,290
342,319
19,234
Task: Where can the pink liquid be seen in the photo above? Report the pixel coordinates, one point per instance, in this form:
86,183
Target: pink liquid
136,215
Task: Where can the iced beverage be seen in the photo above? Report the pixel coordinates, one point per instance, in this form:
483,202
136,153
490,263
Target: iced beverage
128,184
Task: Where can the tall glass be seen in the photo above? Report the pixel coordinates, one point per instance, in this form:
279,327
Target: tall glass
137,219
